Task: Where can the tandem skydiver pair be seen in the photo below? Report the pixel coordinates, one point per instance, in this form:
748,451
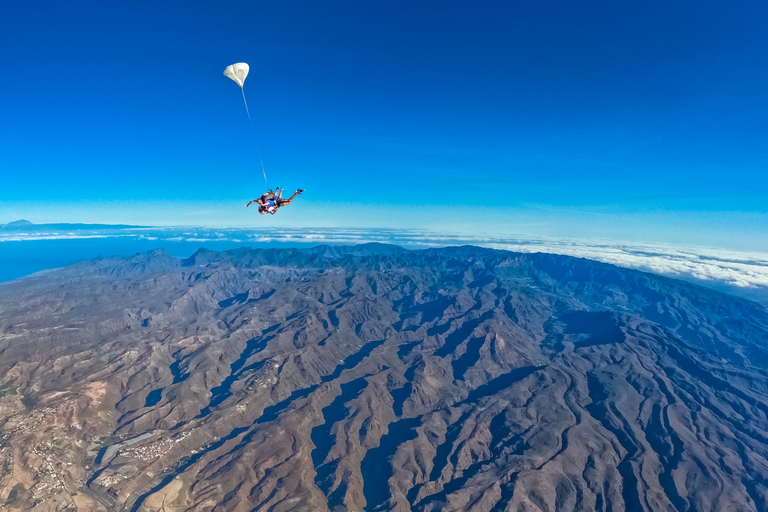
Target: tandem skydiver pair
270,201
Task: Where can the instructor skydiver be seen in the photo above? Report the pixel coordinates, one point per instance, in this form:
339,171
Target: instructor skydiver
270,201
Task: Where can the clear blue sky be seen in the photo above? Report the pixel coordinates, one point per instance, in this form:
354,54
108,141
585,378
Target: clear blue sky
617,119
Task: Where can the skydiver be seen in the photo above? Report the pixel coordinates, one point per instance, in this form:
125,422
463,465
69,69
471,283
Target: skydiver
266,197
270,201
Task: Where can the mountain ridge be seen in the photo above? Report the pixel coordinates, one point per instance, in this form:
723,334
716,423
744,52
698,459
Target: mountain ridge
379,378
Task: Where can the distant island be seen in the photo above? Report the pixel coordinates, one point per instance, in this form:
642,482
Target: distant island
23,224
18,223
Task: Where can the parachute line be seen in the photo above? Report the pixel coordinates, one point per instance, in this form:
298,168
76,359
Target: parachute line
253,132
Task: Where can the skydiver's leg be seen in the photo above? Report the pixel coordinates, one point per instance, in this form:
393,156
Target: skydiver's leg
286,202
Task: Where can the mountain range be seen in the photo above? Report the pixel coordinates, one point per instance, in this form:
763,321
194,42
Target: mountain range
371,378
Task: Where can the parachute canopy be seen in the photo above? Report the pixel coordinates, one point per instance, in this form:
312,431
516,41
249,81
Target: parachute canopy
237,72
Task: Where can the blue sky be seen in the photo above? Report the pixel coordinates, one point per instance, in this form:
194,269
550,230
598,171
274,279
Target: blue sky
628,120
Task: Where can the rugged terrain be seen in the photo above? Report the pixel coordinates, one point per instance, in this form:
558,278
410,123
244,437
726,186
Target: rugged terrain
375,378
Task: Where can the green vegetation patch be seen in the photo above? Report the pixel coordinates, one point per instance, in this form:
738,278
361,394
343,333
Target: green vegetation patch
29,402
15,496
7,389
109,440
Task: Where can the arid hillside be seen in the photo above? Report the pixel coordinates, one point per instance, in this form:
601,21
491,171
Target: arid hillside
374,378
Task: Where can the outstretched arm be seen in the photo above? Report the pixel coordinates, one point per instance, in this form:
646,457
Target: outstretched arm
251,201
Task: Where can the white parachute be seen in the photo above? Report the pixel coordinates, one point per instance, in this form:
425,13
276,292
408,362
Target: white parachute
238,73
